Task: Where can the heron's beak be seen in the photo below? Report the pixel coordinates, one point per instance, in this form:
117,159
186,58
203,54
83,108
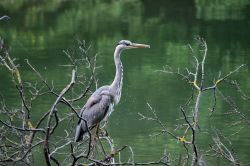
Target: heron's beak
136,45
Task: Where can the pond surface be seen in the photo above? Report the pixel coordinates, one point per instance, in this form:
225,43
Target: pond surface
40,31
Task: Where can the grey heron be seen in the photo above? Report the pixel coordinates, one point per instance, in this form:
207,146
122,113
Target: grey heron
100,104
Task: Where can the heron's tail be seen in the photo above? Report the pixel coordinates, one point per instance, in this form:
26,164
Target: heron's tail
81,130
79,133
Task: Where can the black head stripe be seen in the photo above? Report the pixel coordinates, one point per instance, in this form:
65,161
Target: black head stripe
124,42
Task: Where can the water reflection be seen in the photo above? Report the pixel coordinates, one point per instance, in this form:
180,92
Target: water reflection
40,30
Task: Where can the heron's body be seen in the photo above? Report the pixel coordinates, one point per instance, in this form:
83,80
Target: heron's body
96,109
100,104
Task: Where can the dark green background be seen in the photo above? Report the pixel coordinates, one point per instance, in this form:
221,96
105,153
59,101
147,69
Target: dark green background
41,30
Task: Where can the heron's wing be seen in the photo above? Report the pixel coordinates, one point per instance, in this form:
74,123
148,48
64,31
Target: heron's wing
97,111
91,101
93,112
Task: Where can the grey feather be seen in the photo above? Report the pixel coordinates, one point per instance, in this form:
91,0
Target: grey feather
94,111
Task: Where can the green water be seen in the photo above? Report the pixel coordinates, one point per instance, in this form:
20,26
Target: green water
41,30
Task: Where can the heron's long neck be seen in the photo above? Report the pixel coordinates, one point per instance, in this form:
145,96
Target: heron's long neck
116,85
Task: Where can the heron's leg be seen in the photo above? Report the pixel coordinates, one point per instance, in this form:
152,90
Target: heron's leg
103,128
93,143
88,140
97,133
104,124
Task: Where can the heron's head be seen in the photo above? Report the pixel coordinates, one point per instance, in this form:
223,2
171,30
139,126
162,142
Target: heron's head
126,44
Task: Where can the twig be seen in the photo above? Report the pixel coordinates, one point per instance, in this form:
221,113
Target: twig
51,112
195,159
